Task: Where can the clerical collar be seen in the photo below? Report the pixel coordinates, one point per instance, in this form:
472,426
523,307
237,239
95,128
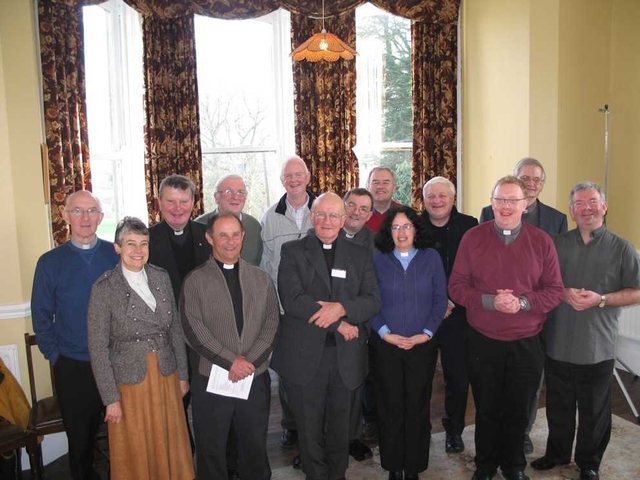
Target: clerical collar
85,246
225,266
327,246
349,235
508,235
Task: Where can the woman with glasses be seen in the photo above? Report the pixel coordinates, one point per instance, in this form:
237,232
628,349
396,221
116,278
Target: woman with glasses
413,290
139,361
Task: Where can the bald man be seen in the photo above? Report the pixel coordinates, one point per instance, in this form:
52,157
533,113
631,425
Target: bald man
61,287
328,290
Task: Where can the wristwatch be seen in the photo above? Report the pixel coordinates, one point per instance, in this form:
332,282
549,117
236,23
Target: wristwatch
603,301
523,304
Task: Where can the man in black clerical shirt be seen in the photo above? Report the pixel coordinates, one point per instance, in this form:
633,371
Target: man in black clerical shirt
177,243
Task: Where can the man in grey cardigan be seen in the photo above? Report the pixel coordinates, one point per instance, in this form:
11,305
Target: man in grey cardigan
230,318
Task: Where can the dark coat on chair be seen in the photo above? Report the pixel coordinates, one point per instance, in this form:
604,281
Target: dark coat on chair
551,220
303,280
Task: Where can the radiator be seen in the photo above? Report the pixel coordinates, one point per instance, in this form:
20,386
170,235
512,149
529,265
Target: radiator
629,326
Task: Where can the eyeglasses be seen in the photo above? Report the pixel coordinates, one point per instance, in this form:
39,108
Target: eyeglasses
534,180
507,201
592,202
79,212
333,217
230,193
291,176
361,210
406,227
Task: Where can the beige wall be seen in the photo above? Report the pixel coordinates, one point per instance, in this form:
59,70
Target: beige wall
26,234
495,109
624,123
535,73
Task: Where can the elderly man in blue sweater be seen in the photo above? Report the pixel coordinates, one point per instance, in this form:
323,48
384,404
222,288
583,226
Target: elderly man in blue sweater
61,287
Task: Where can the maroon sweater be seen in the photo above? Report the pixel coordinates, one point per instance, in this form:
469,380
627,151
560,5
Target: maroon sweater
528,266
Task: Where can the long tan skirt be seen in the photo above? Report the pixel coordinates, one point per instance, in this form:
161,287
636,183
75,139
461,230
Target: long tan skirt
151,442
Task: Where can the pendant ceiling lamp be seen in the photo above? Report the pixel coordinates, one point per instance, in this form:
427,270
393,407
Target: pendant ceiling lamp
323,46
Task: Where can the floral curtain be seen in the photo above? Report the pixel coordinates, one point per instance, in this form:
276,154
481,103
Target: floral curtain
65,110
434,64
325,108
172,126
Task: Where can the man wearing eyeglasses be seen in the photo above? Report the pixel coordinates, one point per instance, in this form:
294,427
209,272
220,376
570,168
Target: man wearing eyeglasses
601,274
230,196
287,220
328,290
61,288
532,174
506,274
358,204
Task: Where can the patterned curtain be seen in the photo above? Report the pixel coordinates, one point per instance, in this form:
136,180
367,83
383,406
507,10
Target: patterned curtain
172,126
325,108
65,110
434,64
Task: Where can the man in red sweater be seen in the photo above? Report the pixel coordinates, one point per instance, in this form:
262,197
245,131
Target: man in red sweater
508,277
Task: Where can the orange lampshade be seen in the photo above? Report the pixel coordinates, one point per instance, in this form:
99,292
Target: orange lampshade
323,46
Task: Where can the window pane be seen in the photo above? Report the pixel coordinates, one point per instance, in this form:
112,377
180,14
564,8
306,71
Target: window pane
246,104
383,103
113,65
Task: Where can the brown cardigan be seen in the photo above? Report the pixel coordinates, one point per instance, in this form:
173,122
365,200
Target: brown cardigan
209,323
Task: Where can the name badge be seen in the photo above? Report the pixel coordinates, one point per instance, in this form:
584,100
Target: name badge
338,273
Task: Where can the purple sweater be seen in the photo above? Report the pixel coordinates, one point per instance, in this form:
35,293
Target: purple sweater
528,266
411,300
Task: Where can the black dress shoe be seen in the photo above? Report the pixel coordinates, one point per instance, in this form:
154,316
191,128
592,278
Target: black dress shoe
527,445
545,463
289,437
411,476
453,444
297,462
481,475
359,451
589,475
395,476
515,476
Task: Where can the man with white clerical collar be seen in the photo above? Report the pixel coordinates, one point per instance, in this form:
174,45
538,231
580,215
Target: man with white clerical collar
230,318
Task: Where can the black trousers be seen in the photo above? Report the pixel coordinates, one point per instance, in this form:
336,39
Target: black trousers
450,340
403,391
355,415
589,388
213,417
504,376
82,411
321,409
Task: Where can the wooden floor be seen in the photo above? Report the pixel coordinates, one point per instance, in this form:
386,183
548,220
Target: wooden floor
280,456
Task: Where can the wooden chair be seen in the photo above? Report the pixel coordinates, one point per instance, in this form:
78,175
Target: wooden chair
45,416
13,438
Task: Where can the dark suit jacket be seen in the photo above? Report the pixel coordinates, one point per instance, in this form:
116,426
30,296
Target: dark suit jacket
551,220
303,280
161,252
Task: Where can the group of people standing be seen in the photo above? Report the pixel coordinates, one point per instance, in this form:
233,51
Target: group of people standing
349,300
